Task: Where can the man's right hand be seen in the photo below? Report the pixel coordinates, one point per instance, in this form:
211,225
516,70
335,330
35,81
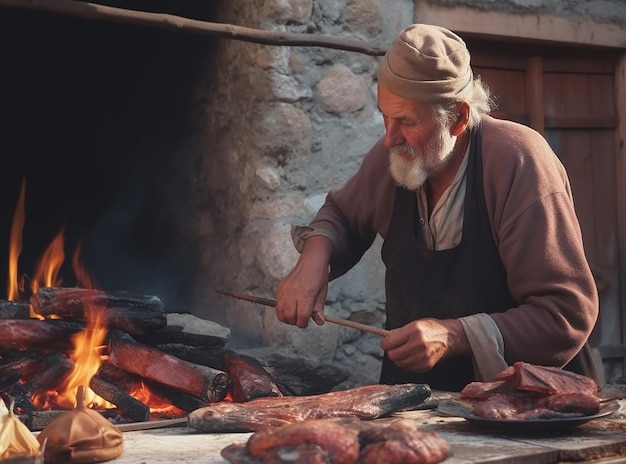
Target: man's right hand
302,294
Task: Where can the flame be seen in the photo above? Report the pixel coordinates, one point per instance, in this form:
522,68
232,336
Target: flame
49,266
83,279
15,245
87,358
157,404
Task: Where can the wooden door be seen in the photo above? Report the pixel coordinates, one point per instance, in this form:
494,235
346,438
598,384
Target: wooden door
567,94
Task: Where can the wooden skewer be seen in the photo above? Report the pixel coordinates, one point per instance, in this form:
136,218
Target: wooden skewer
333,319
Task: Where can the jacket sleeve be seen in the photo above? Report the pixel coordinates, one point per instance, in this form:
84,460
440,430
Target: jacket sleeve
541,246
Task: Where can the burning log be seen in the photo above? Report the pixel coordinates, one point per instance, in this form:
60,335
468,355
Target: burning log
58,367
182,401
131,407
132,313
20,397
23,368
249,379
35,334
202,382
368,402
129,382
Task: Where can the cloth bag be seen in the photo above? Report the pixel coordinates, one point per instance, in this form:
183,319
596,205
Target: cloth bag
17,443
81,435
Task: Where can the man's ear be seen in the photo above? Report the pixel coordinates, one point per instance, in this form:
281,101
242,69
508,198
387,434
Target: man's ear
462,119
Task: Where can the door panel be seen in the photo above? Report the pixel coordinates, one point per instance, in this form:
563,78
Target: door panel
579,122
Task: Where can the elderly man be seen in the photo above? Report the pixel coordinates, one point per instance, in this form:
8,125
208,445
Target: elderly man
483,251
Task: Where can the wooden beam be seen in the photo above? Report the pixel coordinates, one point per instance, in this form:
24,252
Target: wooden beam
94,11
467,20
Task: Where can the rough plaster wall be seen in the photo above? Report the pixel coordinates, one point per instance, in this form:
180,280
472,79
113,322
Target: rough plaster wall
283,126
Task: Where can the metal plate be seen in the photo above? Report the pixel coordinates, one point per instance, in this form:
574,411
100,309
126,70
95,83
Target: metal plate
457,409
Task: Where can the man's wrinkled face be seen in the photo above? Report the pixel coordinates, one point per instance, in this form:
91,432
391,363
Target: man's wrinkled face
418,146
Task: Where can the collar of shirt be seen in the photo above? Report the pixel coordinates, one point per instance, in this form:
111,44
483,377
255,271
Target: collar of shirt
443,229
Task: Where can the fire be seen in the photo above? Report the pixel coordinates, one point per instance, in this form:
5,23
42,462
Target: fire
89,344
87,358
157,405
15,246
47,269
49,266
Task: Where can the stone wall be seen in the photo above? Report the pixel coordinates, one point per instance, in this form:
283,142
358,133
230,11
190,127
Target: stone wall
282,126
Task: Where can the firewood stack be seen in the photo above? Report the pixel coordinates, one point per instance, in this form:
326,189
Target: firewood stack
182,359
179,357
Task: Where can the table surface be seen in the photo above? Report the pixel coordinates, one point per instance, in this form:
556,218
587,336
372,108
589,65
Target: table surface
601,440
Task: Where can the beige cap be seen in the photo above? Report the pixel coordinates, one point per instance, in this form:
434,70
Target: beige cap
80,436
426,63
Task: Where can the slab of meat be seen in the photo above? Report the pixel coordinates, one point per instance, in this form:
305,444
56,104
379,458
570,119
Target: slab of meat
341,441
501,406
368,402
546,380
526,391
249,378
402,442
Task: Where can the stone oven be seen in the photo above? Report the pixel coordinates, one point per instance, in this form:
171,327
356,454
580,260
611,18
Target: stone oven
176,162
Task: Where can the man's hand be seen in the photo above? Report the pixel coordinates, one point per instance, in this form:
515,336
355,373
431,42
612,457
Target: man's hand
302,294
421,344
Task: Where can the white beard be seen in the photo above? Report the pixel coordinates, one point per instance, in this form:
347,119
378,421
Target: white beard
412,173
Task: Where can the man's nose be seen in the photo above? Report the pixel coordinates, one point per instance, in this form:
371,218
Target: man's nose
393,136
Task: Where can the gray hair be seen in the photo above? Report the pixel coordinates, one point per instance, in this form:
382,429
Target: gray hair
479,99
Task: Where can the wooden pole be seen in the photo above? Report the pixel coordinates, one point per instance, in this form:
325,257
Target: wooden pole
333,319
86,10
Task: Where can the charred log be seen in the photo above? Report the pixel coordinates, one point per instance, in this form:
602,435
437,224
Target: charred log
130,382
182,401
14,310
132,313
202,382
302,377
35,334
20,397
57,368
39,420
249,379
23,368
129,406
187,329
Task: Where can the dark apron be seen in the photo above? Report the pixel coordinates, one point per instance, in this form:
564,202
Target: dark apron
463,280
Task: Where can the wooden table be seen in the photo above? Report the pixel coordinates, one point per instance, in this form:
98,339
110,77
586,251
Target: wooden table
599,439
